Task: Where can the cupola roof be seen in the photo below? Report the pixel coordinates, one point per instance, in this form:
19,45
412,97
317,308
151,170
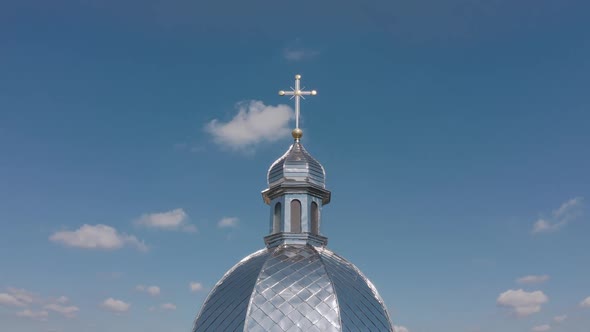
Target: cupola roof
296,165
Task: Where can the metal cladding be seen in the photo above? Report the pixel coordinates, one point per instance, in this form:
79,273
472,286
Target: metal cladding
296,166
295,284
294,288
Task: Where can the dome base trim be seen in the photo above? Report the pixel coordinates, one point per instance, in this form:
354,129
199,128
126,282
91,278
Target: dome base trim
275,240
290,188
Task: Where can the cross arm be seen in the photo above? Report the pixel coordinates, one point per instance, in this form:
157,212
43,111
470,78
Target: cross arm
308,93
298,93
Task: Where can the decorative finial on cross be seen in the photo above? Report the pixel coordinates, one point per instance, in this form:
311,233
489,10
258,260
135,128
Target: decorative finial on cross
296,93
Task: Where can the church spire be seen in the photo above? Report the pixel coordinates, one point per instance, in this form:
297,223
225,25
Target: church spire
296,189
297,93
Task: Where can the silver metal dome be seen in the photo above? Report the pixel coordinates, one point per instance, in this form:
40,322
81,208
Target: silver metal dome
293,288
296,166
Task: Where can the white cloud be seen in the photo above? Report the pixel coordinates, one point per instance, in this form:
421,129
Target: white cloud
567,208
17,297
541,328
97,237
152,290
23,295
170,220
543,225
559,319
296,53
255,123
114,305
585,303
397,328
10,300
168,306
228,222
533,279
36,315
190,228
23,298
295,50
522,303
196,286
62,299
67,311
560,217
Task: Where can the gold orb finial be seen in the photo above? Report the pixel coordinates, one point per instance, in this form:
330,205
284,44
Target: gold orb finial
297,133
281,93
313,92
297,77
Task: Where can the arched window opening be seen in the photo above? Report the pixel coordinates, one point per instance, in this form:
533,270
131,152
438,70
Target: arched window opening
276,219
315,218
295,216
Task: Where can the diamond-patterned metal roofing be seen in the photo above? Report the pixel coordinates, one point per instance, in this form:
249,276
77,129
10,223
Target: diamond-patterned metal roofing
225,307
294,288
361,307
293,293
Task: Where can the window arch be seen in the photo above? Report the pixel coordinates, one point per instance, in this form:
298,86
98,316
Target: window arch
276,218
295,216
315,218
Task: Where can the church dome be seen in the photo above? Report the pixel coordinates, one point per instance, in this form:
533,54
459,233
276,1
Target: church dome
296,166
295,284
293,288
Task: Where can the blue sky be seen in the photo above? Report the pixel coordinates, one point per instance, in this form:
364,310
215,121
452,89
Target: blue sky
135,137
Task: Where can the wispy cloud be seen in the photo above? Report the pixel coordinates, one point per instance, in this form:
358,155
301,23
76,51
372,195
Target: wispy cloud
62,300
66,311
522,303
398,328
196,286
541,328
532,279
115,305
17,297
299,54
228,222
10,300
254,123
62,306
585,303
295,51
168,306
560,318
560,217
97,237
35,315
152,290
176,219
